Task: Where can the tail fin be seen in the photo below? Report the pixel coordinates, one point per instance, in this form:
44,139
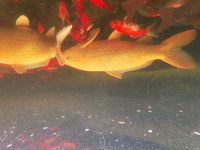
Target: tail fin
174,55
166,15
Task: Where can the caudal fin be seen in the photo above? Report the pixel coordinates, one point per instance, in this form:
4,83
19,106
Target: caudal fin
174,54
166,15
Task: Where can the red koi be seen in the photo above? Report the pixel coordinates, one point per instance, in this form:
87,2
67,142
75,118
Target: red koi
76,33
79,6
22,139
50,66
80,27
89,148
132,29
63,13
53,128
16,1
85,23
40,27
2,75
41,146
103,4
68,145
47,147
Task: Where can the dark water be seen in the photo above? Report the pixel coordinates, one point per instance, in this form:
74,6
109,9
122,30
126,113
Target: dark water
152,109
145,110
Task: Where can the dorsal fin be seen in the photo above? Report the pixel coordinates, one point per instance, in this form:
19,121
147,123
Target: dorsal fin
91,37
22,21
62,35
115,36
50,33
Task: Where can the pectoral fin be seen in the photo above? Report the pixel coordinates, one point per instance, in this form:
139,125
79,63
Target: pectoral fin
91,37
115,74
61,59
115,36
62,35
118,73
60,38
23,68
22,21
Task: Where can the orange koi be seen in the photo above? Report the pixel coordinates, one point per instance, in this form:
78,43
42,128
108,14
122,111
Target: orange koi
132,29
103,4
20,52
63,13
106,55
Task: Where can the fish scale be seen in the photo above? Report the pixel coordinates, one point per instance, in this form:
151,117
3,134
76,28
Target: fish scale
117,57
186,14
23,48
113,55
185,11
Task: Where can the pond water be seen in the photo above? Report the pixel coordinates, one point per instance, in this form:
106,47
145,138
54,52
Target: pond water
156,108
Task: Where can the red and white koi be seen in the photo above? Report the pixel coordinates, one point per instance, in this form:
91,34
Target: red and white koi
132,28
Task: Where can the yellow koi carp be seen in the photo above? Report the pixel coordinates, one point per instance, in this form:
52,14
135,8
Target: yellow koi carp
117,57
24,48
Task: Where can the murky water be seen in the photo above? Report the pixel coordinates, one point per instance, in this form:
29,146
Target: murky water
156,108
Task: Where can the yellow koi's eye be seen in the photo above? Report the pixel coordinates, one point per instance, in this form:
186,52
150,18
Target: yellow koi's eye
67,59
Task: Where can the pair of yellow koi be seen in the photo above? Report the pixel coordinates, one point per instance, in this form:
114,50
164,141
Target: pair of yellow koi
24,48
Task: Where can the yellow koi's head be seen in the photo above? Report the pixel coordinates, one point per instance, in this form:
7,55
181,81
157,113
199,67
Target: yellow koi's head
74,56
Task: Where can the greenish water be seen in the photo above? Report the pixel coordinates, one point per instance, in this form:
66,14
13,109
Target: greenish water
153,108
